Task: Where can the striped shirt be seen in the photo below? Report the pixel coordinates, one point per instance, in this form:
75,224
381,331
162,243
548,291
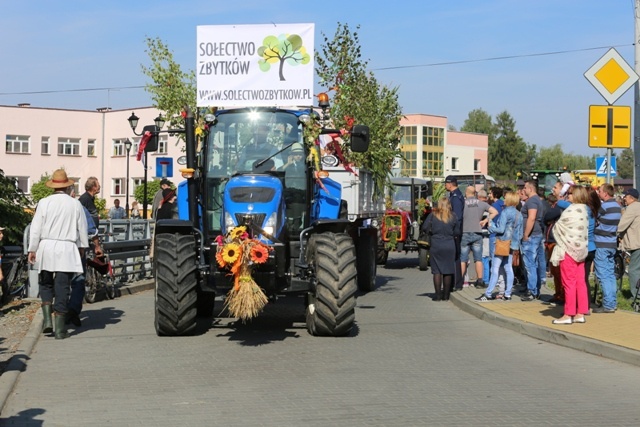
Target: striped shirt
607,225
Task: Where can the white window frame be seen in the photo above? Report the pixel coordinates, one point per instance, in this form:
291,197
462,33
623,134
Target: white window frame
454,163
17,144
45,146
163,145
118,147
68,146
91,148
22,183
118,183
476,165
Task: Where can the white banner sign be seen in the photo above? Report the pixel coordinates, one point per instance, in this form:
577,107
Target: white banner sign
255,65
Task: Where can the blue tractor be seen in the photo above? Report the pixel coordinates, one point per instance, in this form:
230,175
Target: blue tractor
255,170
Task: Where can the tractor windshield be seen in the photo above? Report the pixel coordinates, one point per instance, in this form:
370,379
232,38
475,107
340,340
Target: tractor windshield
241,141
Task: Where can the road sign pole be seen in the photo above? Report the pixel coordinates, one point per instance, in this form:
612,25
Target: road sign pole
636,100
609,142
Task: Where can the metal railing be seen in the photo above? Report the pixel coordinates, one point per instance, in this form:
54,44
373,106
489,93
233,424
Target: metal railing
127,242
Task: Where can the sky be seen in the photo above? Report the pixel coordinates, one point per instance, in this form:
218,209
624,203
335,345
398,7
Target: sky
88,55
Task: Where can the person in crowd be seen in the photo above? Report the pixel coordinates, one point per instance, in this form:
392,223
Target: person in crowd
444,227
571,233
58,229
532,246
472,225
117,211
496,200
629,232
606,244
549,219
157,198
88,199
457,206
166,210
486,249
507,227
593,203
135,211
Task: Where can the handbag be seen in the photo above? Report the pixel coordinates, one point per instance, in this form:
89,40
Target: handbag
503,247
425,239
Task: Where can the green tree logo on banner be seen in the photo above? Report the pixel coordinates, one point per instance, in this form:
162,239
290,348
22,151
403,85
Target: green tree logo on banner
281,49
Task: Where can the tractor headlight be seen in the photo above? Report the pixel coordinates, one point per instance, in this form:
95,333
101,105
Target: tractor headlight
374,223
228,222
271,223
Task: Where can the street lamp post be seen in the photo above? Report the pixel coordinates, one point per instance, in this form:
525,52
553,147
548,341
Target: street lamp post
127,146
159,123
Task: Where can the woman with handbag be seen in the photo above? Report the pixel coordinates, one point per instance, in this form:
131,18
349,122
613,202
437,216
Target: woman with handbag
508,231
442,226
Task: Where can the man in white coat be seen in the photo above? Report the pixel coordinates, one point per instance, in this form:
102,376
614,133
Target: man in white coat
58,229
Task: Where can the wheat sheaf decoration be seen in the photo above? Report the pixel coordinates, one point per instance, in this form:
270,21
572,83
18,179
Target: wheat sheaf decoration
239,253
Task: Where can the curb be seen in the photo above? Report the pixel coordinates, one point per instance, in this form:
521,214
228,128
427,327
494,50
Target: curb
18,362
576,342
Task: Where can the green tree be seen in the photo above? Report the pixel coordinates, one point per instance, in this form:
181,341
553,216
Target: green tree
508,153
626,163
360,98
152,188
285,48
479,121
171,89
39,190
14,210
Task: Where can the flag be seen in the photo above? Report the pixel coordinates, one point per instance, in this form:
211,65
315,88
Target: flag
143,143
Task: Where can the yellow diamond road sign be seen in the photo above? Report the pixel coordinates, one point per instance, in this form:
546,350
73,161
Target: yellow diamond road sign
611,76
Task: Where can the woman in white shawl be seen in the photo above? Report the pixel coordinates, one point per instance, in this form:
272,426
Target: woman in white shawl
571,232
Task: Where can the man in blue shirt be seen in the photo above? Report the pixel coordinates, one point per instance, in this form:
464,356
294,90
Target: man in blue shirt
605,236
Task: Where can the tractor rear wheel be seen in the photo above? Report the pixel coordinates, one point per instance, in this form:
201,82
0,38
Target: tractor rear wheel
331,306
176,284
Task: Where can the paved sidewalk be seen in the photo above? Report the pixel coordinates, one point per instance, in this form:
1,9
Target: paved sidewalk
18,361
615,336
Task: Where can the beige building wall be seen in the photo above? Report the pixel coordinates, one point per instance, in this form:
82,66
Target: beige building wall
433,151
92,145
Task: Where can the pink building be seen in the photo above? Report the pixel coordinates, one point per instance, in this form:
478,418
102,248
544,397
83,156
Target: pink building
84,143
433,151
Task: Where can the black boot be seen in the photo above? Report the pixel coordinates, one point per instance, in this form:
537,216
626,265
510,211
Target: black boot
47,325
74,318
60,327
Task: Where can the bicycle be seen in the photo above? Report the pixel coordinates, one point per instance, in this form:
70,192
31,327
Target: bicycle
98,277
16,285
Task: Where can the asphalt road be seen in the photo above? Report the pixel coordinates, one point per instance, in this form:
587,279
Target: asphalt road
409,362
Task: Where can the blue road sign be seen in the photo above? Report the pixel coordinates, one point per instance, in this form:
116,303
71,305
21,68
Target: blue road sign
601,166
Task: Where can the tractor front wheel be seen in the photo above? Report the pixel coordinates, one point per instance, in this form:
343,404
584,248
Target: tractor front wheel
331,306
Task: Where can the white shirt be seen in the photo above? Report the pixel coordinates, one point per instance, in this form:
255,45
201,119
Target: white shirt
58,229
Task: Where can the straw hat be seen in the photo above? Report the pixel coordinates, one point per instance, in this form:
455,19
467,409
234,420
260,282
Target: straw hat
59,180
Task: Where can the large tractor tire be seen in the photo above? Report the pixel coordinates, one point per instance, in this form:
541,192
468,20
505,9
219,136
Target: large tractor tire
331,307
366,264
176,284
423,258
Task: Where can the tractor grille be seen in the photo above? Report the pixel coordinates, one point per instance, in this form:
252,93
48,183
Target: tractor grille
251,194
257,219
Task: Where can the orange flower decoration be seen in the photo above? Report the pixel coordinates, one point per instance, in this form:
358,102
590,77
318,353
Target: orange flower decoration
220,260
259,254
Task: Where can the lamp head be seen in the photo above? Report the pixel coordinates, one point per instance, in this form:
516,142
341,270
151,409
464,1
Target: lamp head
159,121
127,145
133,121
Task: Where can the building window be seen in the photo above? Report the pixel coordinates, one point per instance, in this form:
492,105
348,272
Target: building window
410,136
118,187
476,165
118,147
432,137
136,182
409,163
69,146
44,146
91,148
162,145
432,163
17,144
454,163
22,183
76,185
135,144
